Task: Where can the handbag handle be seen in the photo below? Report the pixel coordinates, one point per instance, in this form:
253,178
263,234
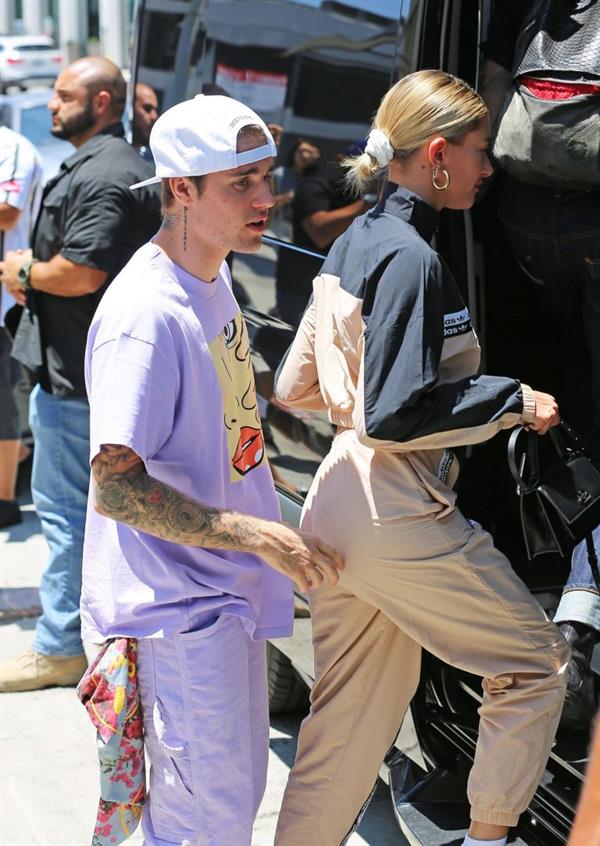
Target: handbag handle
531,455
564,433
560,443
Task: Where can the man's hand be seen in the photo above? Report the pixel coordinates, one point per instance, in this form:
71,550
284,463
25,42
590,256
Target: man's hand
323,227
546,413
125,492
304,558
59,276
276,131
9,268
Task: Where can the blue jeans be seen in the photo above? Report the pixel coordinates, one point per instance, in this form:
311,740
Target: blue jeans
59,486
555,237
580,602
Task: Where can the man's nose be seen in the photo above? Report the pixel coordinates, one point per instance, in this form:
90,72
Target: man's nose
264,198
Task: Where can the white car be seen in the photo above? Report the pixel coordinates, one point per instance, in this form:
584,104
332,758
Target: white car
28,114
24,58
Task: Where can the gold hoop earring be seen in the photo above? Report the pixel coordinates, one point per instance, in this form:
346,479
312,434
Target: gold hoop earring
434,177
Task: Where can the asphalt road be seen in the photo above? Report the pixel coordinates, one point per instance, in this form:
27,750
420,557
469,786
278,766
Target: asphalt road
48,790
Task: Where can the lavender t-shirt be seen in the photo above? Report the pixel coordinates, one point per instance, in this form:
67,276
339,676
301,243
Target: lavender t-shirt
168,374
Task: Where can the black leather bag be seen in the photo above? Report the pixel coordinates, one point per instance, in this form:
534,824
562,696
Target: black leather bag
553,142
560,495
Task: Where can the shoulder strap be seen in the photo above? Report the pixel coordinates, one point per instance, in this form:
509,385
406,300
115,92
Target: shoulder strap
559,36
530,26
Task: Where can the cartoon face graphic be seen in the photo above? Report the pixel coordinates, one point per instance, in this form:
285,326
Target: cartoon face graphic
231,355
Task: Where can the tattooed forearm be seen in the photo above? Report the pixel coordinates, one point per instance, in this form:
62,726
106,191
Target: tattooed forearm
126,493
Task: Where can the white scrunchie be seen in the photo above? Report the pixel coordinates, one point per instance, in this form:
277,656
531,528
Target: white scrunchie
378,146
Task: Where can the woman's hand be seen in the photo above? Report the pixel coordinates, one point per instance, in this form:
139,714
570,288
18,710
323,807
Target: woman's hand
546,413
304,558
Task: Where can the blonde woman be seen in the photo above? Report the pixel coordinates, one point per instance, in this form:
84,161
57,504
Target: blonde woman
386,347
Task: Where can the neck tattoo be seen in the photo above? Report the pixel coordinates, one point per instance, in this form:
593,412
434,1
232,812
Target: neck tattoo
170,220
184,229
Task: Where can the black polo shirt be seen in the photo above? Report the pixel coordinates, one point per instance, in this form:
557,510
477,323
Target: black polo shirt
90,217
323,190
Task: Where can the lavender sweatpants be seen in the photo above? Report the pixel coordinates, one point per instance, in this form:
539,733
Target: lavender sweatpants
206,723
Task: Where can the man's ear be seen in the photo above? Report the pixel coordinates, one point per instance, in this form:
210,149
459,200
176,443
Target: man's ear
182,188
436,151
101,103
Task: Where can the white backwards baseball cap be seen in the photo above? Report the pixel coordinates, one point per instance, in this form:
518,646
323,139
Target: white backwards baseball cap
199,136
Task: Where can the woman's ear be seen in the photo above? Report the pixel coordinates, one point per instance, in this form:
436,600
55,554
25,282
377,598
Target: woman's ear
436,151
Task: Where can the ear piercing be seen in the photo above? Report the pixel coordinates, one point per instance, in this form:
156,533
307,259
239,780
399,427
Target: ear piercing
435,176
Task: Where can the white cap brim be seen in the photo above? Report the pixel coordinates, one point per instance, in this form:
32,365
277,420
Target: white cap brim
256,154
152,181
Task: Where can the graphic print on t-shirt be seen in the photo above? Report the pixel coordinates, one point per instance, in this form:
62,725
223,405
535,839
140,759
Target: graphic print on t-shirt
230,352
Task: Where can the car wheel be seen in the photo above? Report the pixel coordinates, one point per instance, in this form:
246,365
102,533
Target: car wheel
287,691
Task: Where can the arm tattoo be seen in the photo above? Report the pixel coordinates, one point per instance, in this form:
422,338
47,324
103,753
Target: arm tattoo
126,493
170,220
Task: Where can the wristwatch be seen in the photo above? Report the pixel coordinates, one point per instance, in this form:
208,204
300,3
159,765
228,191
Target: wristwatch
24,274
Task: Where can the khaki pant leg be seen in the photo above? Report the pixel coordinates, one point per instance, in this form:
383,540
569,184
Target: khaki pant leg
366,673
465,604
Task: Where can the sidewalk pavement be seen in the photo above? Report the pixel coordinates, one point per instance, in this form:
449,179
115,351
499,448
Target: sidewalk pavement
49,783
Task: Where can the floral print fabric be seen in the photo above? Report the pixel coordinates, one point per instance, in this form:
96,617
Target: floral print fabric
109,691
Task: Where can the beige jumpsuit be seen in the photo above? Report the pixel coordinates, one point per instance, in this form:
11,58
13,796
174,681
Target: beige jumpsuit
418,575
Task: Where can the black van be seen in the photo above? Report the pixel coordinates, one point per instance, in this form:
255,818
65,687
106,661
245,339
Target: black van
318,68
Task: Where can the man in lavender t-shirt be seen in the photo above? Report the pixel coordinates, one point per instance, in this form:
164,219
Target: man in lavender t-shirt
183,548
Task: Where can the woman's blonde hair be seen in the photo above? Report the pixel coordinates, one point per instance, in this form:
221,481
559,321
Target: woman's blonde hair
422,104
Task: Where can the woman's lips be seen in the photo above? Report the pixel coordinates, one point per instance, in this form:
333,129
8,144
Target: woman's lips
249,451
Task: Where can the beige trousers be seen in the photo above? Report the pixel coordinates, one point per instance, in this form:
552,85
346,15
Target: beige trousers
410,582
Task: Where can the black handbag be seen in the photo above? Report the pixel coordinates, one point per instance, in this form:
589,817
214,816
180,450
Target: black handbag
559,495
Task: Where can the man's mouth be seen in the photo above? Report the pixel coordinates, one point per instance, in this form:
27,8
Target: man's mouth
249,451
258,225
